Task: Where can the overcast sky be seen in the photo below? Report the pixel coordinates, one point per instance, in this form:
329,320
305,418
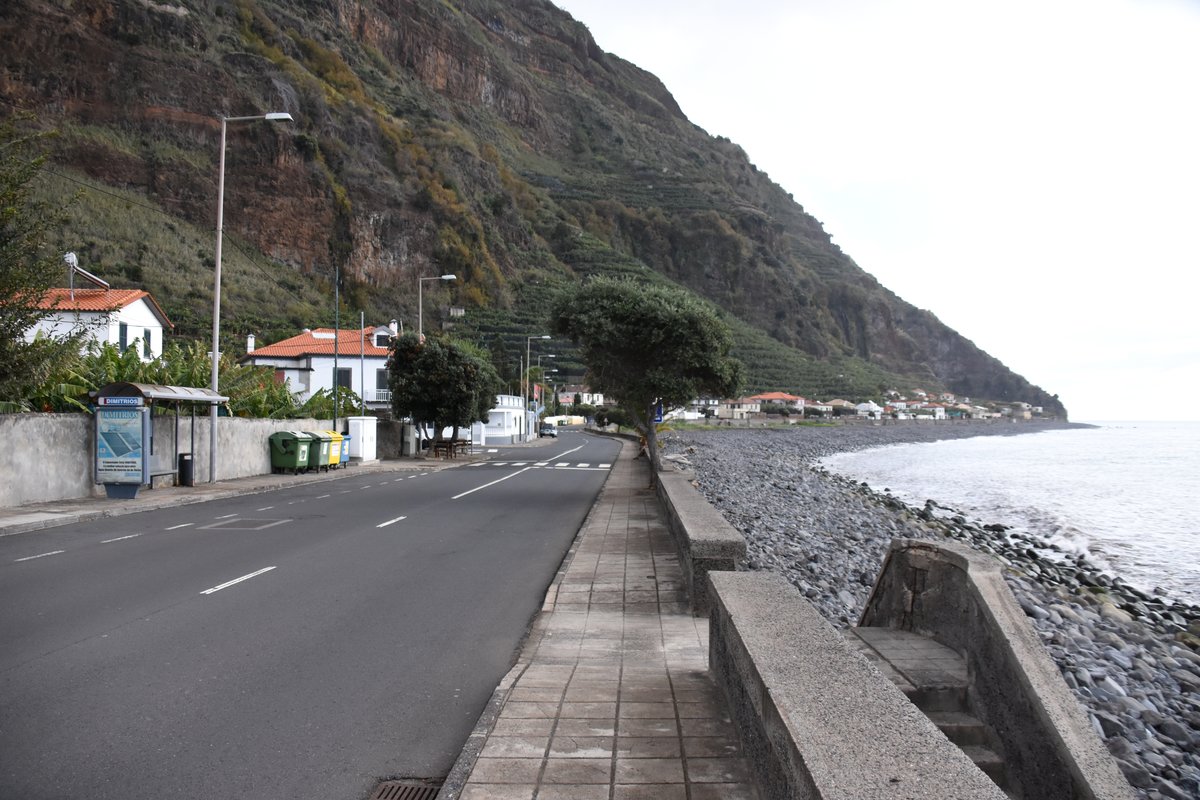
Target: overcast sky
1027,171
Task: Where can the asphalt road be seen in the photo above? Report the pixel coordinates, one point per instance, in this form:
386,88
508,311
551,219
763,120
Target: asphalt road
304,643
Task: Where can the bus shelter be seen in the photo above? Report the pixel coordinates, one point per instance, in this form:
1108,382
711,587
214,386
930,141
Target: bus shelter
124,434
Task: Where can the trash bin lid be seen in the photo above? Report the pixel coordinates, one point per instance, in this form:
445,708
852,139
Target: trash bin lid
320,436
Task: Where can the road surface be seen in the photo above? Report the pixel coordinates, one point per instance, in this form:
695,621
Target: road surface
304,643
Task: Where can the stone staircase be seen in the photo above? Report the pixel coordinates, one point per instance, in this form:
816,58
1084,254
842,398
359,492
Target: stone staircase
934,678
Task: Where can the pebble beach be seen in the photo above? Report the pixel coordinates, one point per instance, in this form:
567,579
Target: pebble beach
1130,657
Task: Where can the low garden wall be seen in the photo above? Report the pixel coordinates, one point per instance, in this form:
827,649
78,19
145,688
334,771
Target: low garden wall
52,455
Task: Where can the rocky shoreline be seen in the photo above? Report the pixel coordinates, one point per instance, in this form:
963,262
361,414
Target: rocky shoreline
1130,657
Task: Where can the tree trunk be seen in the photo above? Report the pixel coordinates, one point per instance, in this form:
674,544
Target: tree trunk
651,432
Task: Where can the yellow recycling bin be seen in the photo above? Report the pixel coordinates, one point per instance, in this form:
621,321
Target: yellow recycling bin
335,449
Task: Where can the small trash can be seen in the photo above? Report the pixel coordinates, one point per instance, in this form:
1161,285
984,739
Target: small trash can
318,450
289,450
187,470
345,458
335,449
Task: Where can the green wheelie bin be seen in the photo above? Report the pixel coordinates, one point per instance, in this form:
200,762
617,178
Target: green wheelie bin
289,450
318,451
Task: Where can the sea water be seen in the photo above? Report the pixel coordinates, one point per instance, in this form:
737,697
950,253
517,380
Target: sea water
1125,493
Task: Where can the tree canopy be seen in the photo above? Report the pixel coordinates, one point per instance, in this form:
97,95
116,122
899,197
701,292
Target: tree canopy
447,383
27,270
645,344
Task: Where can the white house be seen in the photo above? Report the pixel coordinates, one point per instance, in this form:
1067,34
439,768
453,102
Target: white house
566,396
817,407
508,422
306,361
739,408
869,409
779,398
122,317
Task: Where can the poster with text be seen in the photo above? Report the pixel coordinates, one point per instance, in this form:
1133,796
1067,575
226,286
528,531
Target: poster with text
119,445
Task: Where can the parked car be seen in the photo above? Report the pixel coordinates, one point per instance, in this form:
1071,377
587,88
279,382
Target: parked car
548,430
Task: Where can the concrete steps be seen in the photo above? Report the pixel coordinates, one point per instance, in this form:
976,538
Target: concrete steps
934,678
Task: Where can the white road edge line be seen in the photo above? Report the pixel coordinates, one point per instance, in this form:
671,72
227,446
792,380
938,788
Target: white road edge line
493,483
177,527
121,538
389,522
227,584
41,555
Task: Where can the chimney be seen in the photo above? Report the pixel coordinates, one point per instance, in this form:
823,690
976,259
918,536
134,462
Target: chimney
250,343
393,326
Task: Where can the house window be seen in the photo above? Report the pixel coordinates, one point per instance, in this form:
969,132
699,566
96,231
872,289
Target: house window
343,378
381,339
123,337
381,379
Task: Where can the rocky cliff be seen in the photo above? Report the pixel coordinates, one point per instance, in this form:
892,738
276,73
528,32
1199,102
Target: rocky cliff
494,140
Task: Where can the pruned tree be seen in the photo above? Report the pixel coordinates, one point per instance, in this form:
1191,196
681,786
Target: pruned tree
646,345
441,382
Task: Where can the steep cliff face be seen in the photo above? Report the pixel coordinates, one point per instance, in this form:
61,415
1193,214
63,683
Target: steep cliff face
495,140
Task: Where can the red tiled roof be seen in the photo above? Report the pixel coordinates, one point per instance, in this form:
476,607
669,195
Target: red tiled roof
99,300
769,396
306,344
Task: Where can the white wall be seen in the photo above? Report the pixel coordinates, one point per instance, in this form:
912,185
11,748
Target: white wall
56,451
105,328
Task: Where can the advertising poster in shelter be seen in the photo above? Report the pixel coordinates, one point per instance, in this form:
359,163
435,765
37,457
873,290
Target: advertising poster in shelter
120,442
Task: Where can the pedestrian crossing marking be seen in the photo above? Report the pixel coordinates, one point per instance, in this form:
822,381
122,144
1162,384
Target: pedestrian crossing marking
537,464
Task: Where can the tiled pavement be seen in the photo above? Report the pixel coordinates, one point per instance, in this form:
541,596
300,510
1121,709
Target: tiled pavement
612,699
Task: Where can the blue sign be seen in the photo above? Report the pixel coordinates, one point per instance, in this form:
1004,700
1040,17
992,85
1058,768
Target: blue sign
658,415
120,401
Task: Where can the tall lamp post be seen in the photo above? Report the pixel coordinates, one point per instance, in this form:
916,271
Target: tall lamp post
528,364
274,116
420,303
542,375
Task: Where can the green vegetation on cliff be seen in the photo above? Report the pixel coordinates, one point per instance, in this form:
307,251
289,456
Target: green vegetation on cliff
493,140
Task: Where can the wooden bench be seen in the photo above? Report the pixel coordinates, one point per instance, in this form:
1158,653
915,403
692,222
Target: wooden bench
459,447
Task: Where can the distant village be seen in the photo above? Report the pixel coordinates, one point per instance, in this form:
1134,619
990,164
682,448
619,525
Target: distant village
916,404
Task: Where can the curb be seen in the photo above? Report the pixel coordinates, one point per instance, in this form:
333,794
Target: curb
54,519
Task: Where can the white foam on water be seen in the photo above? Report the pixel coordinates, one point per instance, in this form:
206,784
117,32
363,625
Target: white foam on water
1127,495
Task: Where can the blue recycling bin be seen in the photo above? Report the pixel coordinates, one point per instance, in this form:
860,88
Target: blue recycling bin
345,450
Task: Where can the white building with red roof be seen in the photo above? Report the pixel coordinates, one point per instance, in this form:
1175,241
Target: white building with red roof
306,361
122,317
779,398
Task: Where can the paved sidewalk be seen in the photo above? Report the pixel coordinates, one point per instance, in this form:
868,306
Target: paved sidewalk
23,519
611,697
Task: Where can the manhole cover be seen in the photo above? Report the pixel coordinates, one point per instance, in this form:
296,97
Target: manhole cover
407,790
244,524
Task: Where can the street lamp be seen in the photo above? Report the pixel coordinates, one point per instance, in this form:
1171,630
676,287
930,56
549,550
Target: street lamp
274,116
528,364
525,375
420,304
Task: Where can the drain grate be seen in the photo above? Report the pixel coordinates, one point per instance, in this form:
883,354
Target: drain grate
406,790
